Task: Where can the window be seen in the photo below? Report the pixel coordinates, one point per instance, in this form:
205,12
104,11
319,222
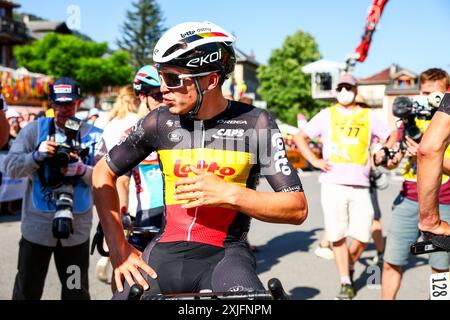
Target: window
324,81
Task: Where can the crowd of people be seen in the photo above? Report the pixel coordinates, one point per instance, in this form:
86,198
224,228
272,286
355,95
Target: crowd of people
170,131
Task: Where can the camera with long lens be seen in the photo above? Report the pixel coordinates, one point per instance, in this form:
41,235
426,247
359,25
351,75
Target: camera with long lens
62,226
408,110
62,187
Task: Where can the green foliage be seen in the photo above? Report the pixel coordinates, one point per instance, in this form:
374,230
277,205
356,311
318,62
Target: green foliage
85,61
140,32
283,85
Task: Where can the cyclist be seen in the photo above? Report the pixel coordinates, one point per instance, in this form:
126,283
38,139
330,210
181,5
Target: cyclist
207,213
147,175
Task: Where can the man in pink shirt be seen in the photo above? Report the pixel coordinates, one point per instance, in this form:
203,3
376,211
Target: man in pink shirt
346,131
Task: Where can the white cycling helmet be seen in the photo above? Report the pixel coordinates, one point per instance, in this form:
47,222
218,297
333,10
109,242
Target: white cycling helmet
197,46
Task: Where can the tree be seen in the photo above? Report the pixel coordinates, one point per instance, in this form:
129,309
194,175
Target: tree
68,56
140,32
283,85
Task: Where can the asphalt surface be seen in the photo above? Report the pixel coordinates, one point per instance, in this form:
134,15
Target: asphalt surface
284,251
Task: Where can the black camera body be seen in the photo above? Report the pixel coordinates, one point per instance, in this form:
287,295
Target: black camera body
60,186
408,110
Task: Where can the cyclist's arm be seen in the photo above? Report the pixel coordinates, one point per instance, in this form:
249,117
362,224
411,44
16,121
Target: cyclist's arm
123,189
301,140
430,160
206,189
274,207
122,158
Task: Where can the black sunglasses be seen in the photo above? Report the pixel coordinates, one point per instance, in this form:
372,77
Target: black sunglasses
347,87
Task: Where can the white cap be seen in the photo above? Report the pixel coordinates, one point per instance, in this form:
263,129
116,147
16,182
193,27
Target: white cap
93,112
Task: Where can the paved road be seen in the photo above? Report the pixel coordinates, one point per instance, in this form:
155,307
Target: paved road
286,252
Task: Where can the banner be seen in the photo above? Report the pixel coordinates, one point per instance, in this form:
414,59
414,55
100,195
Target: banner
11,189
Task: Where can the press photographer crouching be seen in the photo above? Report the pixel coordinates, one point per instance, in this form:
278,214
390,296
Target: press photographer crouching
57,156
415,115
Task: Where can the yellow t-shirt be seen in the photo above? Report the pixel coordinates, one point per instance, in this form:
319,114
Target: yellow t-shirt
350,136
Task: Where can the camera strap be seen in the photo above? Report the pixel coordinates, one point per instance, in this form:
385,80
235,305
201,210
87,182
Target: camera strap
43,171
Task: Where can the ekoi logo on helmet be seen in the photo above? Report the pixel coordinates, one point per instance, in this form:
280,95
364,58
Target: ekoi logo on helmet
201,61
182,170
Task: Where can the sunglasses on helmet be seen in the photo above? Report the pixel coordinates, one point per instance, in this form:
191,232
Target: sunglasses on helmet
175,81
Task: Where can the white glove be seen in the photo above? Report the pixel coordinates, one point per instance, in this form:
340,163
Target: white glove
46,149
76,169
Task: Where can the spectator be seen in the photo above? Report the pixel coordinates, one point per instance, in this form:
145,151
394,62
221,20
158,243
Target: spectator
346,131
92,116
404,230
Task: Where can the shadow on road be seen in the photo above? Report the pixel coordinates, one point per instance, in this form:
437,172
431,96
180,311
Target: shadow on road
8,218
303,293
269,254
369,270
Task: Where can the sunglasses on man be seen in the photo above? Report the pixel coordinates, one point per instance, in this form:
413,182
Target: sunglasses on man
175,81
347,87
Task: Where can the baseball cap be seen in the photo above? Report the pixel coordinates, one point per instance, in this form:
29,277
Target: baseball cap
12,114
347,78
64,90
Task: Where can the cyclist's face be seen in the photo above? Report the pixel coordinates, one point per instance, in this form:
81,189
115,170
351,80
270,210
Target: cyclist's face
180,100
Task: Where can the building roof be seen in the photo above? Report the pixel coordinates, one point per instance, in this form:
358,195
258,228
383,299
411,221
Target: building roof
382,77
39,28
242,57
9,4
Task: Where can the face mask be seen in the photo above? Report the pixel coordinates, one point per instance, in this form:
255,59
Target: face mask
345,97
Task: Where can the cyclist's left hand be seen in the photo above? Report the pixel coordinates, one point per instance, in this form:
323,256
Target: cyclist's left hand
205,189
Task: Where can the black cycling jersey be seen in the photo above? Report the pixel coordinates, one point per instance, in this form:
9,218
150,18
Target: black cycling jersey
237,145
445,104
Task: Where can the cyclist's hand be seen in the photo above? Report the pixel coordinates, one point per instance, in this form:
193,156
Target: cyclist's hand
205,189
127,263
47,149
442,229
413,147
322,164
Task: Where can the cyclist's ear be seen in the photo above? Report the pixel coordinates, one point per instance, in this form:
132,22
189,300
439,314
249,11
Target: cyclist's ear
213,81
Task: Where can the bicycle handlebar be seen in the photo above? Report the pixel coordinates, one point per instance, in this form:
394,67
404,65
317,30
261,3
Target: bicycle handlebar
432,243
275,292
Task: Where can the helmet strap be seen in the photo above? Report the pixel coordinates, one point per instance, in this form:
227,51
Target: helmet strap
194,112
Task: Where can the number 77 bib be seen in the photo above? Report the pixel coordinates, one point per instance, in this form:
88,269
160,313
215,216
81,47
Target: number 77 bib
349,136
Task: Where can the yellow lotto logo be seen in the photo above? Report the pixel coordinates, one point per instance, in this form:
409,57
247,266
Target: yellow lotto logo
349,136
232,166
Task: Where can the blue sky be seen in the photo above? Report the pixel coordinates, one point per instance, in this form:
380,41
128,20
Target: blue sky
413,33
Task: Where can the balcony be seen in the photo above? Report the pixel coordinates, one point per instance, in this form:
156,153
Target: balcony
12,31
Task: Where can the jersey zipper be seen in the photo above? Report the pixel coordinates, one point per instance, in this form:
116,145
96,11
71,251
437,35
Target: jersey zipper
201,167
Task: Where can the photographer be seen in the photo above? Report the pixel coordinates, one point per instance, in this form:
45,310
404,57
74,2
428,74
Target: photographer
404,230
57,157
